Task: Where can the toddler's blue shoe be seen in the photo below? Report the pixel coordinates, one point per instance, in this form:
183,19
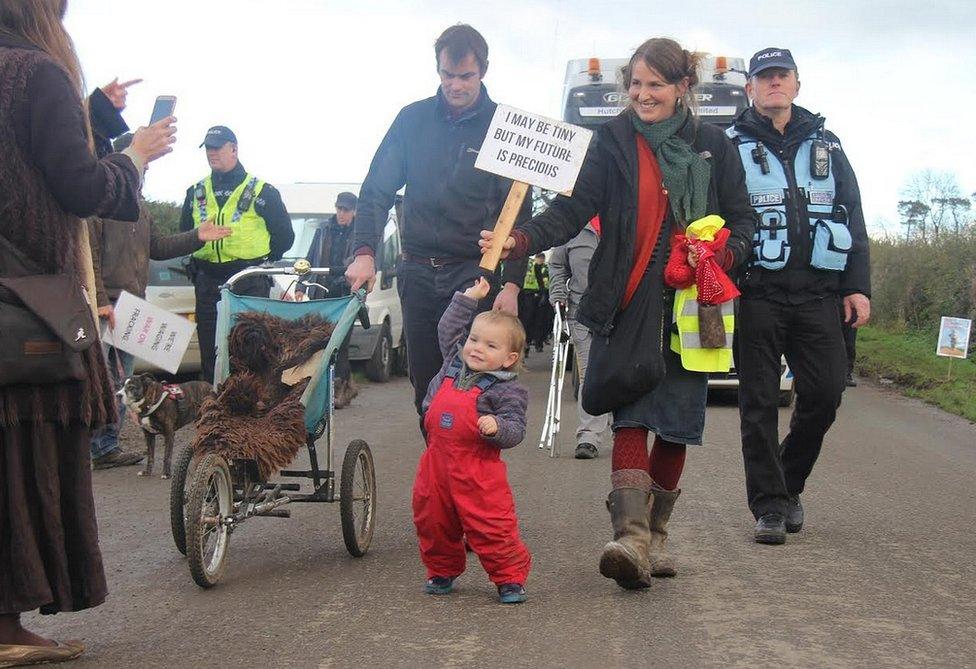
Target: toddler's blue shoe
511,593
439,585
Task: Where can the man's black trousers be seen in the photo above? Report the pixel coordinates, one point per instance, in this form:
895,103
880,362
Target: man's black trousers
425,293
207,289
809,335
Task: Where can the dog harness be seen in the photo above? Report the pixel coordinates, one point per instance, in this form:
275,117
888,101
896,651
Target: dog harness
170,390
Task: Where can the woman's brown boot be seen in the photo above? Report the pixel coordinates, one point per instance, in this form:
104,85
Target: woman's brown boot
662,502
625,558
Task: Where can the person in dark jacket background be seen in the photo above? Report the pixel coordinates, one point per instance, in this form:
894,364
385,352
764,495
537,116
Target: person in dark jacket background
49,178
810,252
650,171
120,255
534,310
431,148
261,231
332,246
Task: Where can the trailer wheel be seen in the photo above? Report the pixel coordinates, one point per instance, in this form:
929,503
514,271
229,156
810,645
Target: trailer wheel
357,497
210,501
178,496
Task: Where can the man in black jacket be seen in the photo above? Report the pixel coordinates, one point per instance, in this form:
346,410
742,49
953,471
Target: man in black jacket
431,148
261,231
810,251
332,247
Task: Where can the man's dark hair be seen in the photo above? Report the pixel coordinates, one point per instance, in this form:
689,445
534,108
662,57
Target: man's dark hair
460,40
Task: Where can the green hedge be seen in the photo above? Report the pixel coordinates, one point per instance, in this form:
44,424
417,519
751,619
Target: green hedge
916,283
908,359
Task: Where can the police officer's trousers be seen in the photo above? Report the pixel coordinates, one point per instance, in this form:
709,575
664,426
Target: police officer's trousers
809,335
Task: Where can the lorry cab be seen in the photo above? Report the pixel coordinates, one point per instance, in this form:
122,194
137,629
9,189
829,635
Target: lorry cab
594,90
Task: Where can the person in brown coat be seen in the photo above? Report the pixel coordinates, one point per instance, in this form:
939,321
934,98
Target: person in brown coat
49,177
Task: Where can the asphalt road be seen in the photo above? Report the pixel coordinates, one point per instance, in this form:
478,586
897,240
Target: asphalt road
881,576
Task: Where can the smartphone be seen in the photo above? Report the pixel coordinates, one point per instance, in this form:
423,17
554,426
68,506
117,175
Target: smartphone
165,104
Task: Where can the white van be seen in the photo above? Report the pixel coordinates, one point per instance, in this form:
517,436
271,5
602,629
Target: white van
383,346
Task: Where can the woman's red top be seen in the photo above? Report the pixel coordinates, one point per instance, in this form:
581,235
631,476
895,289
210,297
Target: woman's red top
652,206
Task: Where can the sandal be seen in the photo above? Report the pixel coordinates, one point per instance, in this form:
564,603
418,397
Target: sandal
12,655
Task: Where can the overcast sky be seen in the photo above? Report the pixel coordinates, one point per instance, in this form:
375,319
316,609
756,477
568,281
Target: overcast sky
310,86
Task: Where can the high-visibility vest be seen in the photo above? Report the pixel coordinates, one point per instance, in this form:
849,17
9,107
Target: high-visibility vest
687,341
250,239
776,193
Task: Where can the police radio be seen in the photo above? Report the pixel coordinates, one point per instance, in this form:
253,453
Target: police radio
819,158
760,157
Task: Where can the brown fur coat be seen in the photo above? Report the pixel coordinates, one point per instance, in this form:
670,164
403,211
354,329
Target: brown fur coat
254,415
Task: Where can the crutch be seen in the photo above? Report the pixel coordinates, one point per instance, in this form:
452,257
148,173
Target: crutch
560,352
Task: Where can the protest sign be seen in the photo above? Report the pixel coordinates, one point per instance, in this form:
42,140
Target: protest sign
531,150
953,337
149,332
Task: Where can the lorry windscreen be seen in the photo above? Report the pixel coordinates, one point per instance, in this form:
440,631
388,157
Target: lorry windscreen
593,104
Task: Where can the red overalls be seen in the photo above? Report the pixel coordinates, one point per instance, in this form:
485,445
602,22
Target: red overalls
461,490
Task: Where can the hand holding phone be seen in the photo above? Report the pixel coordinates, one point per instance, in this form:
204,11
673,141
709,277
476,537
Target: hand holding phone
156,140
164,106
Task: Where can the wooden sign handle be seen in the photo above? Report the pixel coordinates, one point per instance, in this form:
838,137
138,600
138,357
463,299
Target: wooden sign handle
504,225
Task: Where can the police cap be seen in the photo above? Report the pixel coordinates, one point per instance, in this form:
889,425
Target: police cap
217,136
769,57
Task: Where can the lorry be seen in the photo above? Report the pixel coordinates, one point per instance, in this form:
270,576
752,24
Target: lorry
593,91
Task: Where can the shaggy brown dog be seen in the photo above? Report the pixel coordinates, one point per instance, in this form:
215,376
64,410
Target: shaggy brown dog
255,415
251,345
236,425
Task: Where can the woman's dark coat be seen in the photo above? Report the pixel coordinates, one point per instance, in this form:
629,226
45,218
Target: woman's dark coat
607,186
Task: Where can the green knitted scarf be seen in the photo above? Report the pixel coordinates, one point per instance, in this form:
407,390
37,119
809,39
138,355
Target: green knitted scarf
686,174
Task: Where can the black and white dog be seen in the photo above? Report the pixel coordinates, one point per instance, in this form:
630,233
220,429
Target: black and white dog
162,409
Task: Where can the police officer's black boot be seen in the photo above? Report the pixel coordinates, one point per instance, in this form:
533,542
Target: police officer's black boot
771,529
625,558
794,514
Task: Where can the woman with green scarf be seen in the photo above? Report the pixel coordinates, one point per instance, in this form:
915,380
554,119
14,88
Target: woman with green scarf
648,173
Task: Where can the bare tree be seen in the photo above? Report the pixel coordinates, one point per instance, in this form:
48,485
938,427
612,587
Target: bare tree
932,201
913,216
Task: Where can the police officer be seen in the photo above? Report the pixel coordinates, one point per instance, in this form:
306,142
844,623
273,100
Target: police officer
332,247
534,309
262,231
810,251
431,148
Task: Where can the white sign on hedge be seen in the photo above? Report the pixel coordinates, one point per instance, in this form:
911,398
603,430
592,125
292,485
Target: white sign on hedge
533,149
149,332
954,337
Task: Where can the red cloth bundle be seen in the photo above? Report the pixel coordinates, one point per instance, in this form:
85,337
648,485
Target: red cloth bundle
714,285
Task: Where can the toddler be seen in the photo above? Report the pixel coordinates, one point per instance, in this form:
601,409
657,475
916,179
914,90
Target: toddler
474,408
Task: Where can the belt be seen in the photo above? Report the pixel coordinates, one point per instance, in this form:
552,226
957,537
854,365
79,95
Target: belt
434,262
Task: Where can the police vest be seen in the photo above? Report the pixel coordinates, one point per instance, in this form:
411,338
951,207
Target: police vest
531,283
805,190
250,239
687,341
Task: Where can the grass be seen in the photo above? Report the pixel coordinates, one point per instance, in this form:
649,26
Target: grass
909,360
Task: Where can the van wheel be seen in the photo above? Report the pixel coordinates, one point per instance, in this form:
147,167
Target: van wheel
402,366
379,368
